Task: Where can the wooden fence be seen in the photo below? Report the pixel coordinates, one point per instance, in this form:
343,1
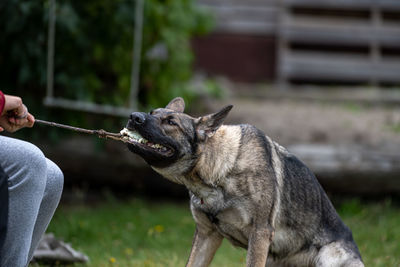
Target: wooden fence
338,41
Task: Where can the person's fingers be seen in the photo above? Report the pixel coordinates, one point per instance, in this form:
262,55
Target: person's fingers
9,127
21,112
28,121
1,129
17,122
15,108
31,120
30,117
12,120
11,103
20,122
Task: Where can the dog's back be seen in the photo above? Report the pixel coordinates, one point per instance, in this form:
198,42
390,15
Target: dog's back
307,229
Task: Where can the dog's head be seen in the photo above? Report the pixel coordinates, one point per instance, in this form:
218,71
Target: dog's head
165,136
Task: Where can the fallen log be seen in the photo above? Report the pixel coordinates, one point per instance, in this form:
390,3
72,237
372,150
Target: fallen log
352,168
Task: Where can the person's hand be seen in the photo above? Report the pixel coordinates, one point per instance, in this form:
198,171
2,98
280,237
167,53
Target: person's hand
15,115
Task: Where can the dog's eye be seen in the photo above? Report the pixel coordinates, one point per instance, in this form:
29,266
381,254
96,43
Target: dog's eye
169,121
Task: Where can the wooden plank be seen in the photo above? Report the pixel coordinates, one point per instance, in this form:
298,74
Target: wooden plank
336,4
238,2
335,94
321,66
269,14
245,19
246,27
393,5
337,31
324,66
388,34
325,22
387,70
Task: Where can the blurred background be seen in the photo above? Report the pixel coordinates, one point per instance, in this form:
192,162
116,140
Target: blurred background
319,77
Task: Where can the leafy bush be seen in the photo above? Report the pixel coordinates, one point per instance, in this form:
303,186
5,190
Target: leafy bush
93,49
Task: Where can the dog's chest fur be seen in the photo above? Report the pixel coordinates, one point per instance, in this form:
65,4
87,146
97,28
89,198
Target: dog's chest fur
229,215
225,186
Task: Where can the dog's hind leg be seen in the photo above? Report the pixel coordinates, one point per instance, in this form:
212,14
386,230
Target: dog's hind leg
337,254
205,244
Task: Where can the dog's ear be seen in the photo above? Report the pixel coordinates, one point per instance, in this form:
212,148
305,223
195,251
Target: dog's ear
207,125
177,104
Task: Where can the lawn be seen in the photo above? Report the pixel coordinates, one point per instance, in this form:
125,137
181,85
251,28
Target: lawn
143,233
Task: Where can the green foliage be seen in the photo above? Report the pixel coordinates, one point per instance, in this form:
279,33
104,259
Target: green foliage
170,25
93,49
22,45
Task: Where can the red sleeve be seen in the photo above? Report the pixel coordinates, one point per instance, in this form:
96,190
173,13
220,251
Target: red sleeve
2,102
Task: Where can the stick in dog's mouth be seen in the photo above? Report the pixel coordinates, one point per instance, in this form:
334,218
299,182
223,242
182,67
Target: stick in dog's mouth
135,138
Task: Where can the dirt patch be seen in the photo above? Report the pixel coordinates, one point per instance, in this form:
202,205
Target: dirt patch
296,121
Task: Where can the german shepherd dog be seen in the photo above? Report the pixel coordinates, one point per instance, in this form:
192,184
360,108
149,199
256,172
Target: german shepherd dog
244,187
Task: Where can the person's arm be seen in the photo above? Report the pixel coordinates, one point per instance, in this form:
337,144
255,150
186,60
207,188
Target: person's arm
20,117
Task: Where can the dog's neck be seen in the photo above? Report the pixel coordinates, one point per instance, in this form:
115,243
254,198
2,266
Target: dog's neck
216,159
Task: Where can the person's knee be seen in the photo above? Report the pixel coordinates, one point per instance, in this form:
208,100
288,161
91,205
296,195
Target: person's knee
31,168
55,180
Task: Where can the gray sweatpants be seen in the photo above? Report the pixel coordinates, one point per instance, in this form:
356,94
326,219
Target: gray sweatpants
35,185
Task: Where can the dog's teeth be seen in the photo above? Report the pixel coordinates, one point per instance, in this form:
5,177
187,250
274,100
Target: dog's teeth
133,136
143,141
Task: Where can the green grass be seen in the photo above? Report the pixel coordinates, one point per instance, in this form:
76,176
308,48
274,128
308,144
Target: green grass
395,128
376,230
140,233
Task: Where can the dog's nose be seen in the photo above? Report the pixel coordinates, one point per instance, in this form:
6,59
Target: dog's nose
137,118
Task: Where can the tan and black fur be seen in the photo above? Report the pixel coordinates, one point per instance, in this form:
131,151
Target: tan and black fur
246,188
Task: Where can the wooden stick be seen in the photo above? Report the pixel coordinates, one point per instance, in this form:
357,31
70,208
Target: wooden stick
100,133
